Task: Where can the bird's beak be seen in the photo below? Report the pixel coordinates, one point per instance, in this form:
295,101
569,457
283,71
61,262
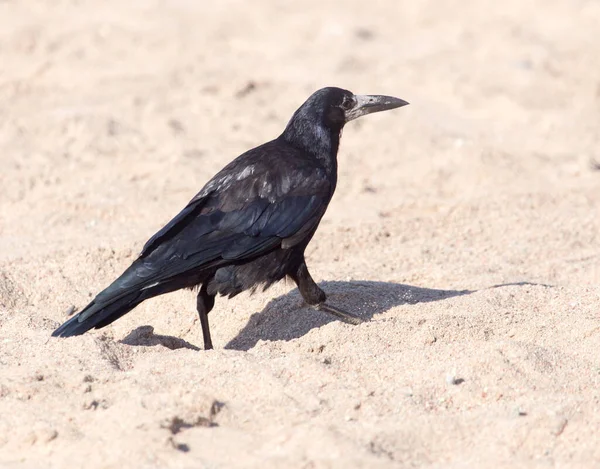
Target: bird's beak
366,104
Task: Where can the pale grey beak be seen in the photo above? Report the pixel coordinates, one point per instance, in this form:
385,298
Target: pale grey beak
366,104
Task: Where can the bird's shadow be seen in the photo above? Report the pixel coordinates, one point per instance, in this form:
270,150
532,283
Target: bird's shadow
288,317
145,336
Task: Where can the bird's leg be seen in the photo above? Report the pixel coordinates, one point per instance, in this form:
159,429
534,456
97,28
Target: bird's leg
204,304
316,297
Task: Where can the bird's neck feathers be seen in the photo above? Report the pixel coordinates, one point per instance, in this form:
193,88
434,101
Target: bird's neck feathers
311,135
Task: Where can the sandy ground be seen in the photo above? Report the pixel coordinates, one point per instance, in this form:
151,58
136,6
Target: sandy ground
465,227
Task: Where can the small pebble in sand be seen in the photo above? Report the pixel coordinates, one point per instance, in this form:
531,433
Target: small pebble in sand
451,378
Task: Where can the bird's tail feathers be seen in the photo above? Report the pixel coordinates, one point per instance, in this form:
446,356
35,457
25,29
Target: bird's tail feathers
97,315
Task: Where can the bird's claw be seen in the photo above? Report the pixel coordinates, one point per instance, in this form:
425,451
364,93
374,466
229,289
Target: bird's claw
342,315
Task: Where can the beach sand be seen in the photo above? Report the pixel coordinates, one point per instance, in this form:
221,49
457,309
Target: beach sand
465,227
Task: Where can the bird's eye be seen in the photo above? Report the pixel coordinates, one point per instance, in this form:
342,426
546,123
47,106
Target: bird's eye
347,103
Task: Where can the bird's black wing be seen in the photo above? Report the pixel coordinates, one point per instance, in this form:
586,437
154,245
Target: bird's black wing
173,227
268,198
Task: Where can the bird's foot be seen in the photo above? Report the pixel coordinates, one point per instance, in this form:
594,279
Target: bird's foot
342,315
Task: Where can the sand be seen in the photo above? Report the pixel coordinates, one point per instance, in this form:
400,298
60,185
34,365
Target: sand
465,228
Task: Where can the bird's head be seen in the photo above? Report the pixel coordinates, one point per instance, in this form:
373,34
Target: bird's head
323,115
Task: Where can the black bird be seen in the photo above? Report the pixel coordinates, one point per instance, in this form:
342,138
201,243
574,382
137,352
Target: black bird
249,225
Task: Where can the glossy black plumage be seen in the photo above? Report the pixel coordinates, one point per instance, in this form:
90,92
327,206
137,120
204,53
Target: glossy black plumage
249,225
